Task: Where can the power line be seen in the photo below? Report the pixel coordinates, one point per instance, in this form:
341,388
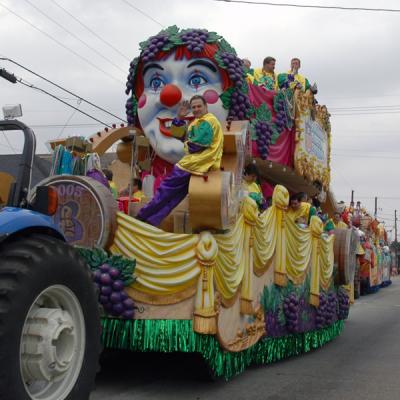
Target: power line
62,101
62,88
61,44
69,119
365,152
91,31
66,126
360,97
365,156
9,144
75,36
372,197
143,13
364,113
265,3
364,107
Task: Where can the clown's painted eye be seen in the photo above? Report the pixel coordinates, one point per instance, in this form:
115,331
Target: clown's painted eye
196,80
156,83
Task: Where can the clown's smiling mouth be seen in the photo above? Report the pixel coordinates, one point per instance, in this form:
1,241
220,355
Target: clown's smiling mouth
166,123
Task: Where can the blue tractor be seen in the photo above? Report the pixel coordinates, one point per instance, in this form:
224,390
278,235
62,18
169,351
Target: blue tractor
49,316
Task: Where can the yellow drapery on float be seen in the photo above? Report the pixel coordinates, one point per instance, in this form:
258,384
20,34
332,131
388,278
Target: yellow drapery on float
298,250
280,201
166,263
169,266
230,264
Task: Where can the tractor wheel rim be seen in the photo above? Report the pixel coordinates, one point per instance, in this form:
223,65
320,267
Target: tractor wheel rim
52,344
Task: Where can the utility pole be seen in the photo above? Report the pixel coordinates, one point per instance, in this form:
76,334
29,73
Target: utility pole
376,207
395,240
352,199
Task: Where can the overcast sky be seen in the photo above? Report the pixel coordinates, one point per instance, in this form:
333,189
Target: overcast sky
353,56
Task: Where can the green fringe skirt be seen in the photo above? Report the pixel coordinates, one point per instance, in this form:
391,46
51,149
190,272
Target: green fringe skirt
177,336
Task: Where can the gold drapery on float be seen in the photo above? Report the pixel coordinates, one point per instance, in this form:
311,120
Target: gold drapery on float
170,267
166,263
326,260
280,201
230,264
204,318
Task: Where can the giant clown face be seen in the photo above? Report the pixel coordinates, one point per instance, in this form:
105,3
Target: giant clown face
165,84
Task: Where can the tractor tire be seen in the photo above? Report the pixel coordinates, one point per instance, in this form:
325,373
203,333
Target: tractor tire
49,321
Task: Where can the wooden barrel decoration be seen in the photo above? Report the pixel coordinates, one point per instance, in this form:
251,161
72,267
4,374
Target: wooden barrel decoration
86,210
212,201
345,246
124,152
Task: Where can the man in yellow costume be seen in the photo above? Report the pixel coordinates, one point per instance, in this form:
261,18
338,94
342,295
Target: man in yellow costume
300,212
252,187
293,79
338,221
203,152
266,76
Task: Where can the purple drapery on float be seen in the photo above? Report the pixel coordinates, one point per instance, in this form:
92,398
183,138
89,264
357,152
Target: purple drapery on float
171,192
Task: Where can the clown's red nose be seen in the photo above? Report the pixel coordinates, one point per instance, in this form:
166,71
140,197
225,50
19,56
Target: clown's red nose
170,95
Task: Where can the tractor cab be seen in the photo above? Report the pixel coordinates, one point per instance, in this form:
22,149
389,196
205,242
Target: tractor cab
16,171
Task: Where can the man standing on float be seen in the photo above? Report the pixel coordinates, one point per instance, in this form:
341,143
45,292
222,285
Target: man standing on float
203,152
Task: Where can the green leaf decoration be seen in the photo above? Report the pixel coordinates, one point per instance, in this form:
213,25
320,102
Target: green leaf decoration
171,30
225,46
126,266
281,316
278,98
213,37
245,87
305,317
252,129
275,133
218,59
134,104
143,45
250,112
263,113
226,98
95,257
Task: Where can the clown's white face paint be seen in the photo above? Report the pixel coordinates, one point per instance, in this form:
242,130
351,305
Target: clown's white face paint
157,109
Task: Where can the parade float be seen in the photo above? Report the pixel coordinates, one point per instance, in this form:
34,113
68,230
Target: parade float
373,255
219,276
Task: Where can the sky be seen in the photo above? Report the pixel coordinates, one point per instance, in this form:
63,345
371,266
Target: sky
354,56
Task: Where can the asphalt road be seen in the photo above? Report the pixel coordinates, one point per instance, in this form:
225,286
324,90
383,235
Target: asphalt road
362,364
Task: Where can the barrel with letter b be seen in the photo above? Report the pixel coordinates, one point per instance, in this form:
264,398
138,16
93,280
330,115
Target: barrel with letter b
86,211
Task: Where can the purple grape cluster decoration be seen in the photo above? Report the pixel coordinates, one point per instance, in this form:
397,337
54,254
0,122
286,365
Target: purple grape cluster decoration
264,132
281,118
112,295
240,105
291,309
326,313
344,304
154,45
234,67
195,39
111,274
130,77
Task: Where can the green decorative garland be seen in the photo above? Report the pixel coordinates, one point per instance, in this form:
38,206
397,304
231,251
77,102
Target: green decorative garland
177,336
